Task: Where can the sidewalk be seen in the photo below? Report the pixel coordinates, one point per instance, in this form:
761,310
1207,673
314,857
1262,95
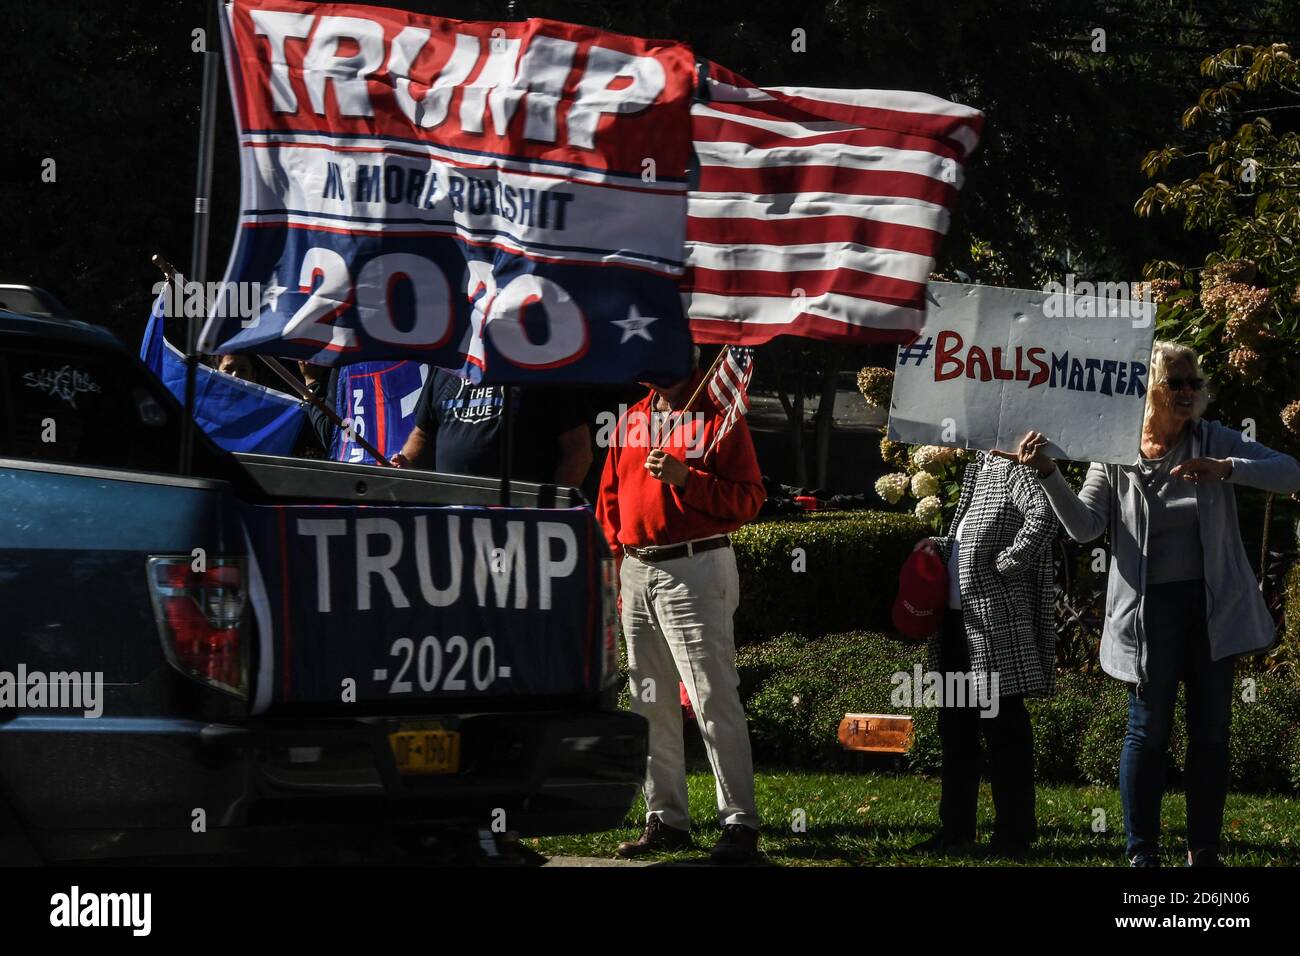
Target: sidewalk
592,861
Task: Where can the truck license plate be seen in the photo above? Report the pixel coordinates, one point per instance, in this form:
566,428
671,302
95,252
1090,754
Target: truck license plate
426,751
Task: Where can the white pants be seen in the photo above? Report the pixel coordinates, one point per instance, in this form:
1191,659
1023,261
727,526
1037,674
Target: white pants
677,620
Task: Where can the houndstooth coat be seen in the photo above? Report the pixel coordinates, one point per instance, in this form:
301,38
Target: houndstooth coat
1005,574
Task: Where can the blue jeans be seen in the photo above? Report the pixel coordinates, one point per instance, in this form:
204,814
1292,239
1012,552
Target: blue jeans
1178,649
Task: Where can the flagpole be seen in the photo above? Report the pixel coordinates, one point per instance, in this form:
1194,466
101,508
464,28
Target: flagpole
507,441
199,241
307,395
694,395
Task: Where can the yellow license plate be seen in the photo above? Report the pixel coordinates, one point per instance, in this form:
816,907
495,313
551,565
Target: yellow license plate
426,751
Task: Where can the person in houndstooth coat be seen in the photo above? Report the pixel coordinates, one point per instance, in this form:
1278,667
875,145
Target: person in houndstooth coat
998,640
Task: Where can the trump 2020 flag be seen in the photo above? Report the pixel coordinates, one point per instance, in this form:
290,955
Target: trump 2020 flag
378,400
237,415
818,212
503,199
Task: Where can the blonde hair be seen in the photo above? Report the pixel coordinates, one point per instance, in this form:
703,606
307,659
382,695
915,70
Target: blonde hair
1164,354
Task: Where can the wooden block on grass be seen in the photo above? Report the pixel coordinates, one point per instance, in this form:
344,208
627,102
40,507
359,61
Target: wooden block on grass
876,733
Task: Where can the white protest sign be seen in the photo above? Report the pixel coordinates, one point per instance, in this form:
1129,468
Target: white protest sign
991,364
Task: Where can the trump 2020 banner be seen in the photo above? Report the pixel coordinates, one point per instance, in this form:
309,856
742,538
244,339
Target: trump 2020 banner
419,602
991,364
504,199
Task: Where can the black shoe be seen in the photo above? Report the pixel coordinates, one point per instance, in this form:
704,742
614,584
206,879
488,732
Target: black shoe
1144,860
941,845
738,844
657,837
1008,847
1206,856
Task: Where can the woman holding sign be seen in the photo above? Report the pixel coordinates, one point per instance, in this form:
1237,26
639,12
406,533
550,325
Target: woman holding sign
1182,602
999,639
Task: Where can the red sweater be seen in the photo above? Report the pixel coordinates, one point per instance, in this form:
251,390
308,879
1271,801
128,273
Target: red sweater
724,489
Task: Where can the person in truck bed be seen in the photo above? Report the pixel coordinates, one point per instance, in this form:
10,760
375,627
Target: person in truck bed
458,428
667,523
240,366
458,431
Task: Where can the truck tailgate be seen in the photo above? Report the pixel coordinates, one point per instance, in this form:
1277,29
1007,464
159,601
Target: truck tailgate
394,605
74,547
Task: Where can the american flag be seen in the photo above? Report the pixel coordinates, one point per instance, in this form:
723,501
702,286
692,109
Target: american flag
817,212
729,388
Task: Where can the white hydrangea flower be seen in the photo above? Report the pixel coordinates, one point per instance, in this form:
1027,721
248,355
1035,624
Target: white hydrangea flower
924,485
892,487
928,508
934,458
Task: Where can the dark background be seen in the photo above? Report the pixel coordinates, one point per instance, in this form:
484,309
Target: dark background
110,91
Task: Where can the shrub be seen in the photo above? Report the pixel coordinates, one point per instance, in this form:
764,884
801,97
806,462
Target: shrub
797,689
1100,747
1263,731
1259,735
1279,691
1292,760
1291,607
850,564
1060,723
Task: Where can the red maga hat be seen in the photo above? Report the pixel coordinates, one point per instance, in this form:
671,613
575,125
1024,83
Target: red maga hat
922,595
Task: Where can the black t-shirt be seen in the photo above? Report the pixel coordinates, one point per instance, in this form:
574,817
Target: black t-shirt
464,423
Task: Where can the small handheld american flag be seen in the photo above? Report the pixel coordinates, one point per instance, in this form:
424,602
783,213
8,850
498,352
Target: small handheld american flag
729,387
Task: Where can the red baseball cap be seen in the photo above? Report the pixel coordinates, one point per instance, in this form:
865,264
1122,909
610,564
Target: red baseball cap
922,595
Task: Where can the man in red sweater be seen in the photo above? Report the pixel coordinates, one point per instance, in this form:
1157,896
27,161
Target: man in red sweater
667,512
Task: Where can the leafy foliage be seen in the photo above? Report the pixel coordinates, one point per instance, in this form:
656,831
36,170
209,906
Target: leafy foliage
1053,176
1241,310
797,688
1289,651
931,475
1079,601
849,562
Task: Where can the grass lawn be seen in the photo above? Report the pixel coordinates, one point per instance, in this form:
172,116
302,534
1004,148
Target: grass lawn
873,818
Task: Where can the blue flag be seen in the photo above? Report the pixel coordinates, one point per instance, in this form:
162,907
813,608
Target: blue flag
237,415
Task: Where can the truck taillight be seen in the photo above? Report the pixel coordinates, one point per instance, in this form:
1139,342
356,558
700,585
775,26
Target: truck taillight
609,622
201,618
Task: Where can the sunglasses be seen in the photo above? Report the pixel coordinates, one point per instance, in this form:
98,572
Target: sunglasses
1176,384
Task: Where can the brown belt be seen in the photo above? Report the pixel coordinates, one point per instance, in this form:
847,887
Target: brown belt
669,553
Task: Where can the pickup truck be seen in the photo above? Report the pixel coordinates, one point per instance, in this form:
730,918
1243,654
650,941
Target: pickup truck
277,655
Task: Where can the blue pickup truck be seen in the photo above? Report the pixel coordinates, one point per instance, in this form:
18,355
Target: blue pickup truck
281,655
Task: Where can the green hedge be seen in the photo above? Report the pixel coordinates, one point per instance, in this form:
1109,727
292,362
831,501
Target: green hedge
1292,757
850,563
1060,726
1291,606
797,689
1099,749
